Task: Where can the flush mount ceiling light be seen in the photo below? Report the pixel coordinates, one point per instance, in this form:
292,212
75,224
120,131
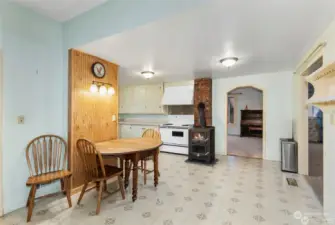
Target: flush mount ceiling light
148,74
229,61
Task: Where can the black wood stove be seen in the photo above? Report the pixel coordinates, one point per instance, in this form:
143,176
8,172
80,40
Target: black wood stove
201,145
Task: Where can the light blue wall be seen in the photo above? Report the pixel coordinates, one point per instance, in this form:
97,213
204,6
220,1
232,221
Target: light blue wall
33,87
115,17
36,73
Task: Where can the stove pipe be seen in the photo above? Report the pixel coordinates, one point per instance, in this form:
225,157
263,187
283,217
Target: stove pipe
201,110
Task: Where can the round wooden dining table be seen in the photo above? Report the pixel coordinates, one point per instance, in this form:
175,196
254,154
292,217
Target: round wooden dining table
130,152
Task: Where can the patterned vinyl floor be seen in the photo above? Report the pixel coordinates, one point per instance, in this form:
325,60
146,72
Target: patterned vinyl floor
236,191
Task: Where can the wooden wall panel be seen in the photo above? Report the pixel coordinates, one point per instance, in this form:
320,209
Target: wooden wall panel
90,114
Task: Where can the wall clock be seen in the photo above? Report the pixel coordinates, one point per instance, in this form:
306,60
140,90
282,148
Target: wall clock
98,70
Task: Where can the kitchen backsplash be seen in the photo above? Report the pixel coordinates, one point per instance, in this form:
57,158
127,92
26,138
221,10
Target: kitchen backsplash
180,109
179,119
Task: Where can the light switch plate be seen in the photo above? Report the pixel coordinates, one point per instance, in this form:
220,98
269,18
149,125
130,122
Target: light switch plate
113,118
20,119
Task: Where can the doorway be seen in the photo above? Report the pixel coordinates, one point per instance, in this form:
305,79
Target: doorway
245,122
315,147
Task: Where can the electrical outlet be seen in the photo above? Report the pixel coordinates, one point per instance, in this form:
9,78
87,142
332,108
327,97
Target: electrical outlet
20,119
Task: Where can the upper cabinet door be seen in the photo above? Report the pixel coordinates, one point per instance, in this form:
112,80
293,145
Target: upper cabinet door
126,94
154,96
122,99
144,99
138,100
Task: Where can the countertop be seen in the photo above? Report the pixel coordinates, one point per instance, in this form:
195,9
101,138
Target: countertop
144,123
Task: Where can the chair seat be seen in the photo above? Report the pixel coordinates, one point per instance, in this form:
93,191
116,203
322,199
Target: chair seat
111,171
48,177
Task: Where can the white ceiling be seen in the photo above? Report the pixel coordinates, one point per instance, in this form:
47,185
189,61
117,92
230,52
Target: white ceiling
266,35
60,10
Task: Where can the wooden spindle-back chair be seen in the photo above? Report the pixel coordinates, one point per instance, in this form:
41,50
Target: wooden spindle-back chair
154,134
96,171
47,158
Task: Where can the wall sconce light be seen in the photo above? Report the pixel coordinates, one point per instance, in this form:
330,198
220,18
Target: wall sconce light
103,88
94,88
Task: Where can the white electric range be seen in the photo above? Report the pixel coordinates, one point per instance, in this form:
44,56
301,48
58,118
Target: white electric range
175,138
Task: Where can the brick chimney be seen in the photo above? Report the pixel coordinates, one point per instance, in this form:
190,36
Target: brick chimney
203,93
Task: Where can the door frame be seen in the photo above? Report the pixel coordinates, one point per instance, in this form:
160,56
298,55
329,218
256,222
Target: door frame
225,138
1,132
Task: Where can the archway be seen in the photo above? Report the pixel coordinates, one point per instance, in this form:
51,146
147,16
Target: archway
315,147
245,122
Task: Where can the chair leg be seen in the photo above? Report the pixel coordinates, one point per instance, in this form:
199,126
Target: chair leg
121,186
62,186
159,174
105,185
31,202
99,197
97,185
29,196
145,172
82,193
68,190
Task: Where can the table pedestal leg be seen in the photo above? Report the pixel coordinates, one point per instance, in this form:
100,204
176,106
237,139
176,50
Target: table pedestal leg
135,175
156,167
127,173
122,167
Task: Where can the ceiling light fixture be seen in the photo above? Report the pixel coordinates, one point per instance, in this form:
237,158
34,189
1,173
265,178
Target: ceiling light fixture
229,61
148,74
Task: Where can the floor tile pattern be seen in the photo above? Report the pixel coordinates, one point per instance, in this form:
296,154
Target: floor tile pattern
236,191
245,146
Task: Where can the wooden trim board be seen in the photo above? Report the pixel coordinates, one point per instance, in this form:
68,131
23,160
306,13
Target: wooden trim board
264,150
1,133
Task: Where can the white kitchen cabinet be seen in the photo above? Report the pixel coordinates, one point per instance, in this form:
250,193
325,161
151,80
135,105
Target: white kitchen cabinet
138,99
127,131
153,99
133,131
141,99
125,105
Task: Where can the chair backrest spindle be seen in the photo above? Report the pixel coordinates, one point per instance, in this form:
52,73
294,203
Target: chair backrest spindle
92,159
45,154
151,133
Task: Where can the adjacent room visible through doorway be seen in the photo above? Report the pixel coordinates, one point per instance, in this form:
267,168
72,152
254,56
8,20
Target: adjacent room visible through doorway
245,122
315,147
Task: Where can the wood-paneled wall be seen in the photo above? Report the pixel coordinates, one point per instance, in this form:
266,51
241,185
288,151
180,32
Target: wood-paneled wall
90,114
